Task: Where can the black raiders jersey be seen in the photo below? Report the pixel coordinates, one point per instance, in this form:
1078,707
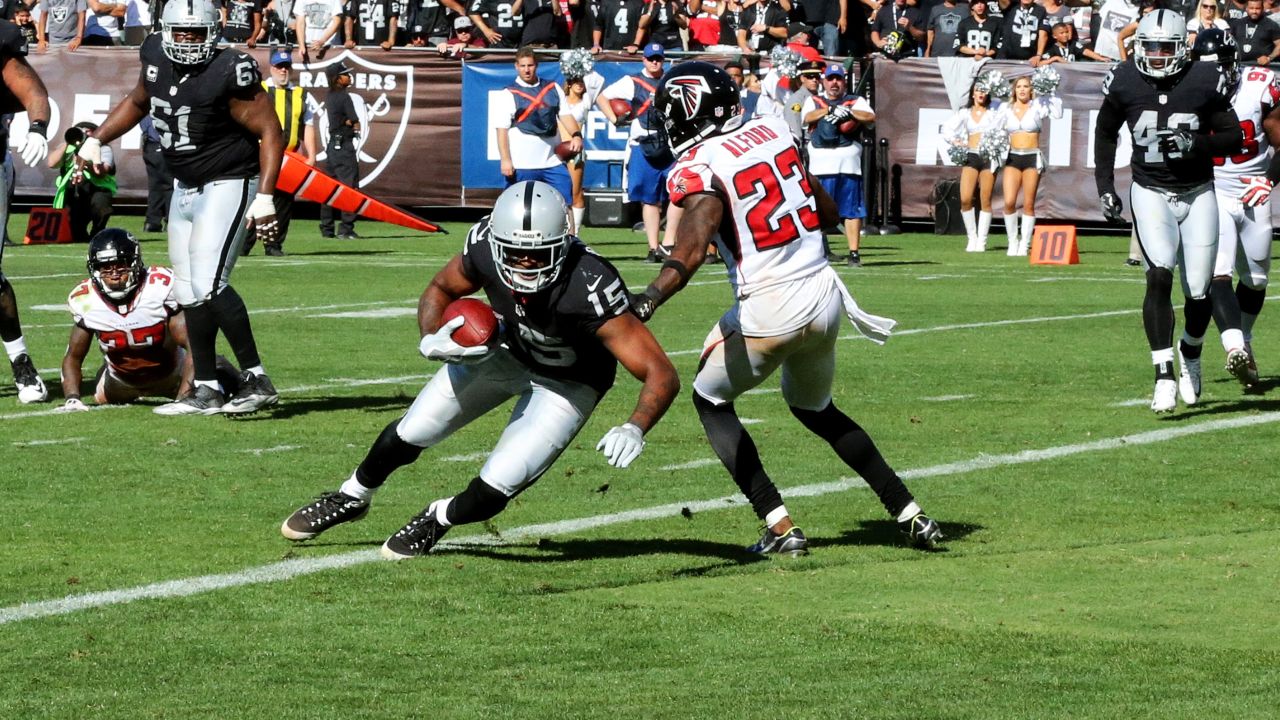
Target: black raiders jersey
373,20
191,111
1198,100
1020,32
498,15
12,45
617,21
554,331
983,35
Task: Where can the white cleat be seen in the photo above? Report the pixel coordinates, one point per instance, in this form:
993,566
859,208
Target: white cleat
1188,379
1165,398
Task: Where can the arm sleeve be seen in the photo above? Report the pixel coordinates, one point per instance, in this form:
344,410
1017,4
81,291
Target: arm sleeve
1226,136
1106,134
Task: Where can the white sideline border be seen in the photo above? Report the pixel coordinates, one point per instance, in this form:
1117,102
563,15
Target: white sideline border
288,569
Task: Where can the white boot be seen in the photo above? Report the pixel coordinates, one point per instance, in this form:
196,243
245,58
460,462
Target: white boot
1028,231
1011,229
578,214
984,227
971,229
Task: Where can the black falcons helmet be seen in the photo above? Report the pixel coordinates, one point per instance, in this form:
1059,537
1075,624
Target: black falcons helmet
695,101
1214,44
114,246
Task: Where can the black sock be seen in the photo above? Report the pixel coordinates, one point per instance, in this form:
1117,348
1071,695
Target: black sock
202,333
859,452
1250,299
479,502
1226,306
233,319
737,451
1157,308
10,328
388,454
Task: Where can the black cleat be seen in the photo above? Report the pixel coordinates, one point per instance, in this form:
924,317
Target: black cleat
921,531
331,508
31,388
792,543
256,392
417,538
854,259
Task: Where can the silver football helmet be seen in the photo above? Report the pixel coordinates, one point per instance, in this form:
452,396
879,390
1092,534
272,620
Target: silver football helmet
195,16
529,235
1160,44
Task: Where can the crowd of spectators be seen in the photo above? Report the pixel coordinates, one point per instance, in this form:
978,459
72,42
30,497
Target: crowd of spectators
1036,31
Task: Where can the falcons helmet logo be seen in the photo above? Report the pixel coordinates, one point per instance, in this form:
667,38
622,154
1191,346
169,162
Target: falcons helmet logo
689,92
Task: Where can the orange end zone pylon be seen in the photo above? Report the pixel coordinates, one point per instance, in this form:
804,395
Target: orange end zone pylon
309,183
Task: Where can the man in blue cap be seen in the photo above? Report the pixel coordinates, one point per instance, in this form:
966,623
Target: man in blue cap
648,157
295,110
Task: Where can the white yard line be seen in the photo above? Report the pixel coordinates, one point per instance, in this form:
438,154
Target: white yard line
947,398
280,571
278,448
40,443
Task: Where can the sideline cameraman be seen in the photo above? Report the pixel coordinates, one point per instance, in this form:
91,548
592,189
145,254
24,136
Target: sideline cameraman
84,190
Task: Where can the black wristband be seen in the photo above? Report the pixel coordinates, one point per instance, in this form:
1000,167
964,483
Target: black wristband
577,134
679,267
39,127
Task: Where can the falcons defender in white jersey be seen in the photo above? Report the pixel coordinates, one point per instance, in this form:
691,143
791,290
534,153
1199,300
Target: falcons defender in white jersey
745,186
1244,218
132,312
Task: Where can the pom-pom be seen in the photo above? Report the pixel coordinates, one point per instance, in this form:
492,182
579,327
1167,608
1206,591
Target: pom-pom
1045,80
785,60
994,84
957,153
994,146
577,63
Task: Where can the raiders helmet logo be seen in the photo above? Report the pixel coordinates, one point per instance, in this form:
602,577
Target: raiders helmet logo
689,91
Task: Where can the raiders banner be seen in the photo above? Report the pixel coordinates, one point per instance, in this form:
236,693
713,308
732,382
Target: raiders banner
915,97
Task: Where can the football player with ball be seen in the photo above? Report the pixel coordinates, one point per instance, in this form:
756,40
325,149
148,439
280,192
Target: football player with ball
565,328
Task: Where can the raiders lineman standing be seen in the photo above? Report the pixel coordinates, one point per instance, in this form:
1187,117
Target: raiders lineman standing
22,90
223,143
1180,117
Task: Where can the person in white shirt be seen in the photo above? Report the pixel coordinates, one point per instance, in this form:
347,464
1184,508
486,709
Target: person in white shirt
316,24
835,153
528,119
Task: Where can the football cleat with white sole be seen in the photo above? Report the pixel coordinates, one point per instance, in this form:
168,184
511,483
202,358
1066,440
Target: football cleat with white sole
204,400
417,538
1238,362
331,508
792,543
31,388
921,531
1165,397
256,392
1188,379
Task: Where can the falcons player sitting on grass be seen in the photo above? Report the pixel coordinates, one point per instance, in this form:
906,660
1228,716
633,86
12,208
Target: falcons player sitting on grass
745,186
129,308
1243,184
564,310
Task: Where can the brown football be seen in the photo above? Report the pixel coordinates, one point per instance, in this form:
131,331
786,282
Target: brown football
481,325
848,126
564,153
621,108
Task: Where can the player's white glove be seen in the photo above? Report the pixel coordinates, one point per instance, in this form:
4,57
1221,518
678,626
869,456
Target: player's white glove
34,149
1257,190
1112,207
439,345
1175,142
91,151
72,405
262,218
621,445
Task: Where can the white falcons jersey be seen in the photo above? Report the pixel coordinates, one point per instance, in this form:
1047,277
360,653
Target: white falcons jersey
135,338
1255,96
771,236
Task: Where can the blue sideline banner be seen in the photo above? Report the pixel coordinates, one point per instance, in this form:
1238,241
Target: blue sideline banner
604,145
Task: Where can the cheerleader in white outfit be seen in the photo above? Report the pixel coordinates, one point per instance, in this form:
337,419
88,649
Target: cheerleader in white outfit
964,132
582,84
1023,117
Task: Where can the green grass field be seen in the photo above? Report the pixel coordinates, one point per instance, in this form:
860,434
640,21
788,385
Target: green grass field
1102,562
